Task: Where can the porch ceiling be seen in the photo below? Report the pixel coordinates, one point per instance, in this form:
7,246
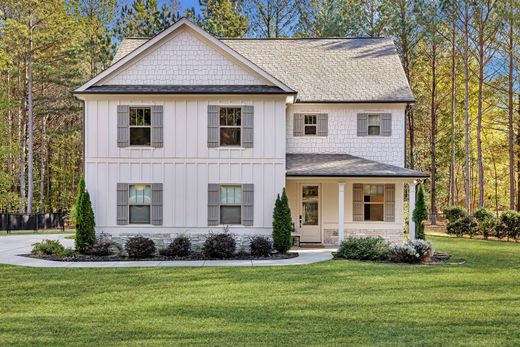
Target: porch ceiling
343,165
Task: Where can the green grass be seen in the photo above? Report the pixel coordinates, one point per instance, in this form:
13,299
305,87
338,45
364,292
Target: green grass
332,303
39,232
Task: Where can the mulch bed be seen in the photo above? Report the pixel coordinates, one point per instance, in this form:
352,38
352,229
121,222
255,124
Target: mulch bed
193,257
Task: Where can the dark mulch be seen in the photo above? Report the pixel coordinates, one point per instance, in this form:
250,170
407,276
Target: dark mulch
194,256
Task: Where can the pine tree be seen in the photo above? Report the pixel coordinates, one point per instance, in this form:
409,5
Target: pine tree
223,18
420,214
85,222
282,223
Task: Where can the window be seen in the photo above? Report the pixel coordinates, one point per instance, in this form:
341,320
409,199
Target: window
230,126
139,201
310,125
374,202
140,126
374,124
230,205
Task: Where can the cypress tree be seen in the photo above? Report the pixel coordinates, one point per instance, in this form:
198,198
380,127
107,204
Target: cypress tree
85,221
282,223
420,213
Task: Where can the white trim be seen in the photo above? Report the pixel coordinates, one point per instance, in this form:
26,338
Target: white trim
182,22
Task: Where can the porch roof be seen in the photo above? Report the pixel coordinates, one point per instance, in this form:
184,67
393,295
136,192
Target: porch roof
343,165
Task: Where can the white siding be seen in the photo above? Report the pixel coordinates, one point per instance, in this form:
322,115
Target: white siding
342,136
184,165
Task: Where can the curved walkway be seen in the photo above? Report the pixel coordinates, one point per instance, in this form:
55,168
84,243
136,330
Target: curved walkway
12,246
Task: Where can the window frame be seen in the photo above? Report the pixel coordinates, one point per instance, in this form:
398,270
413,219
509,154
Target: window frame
374,203
235,204
130,126
379,125
314,125
220,126
130,205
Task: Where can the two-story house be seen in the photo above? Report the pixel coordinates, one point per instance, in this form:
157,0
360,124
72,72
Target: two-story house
186,134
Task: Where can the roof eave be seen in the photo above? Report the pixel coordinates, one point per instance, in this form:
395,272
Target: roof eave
404,101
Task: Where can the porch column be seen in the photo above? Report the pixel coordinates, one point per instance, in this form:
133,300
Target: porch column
411,206
341,212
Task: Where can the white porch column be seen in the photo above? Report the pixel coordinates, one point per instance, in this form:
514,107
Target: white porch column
411,206
341,212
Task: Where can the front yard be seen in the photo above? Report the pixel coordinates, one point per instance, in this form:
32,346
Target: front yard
332,303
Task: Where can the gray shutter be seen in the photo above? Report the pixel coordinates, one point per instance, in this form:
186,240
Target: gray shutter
248,124
298,124
157,204
389,202
122,203
123,130
213,126
323,124
386,124
157,126
213,204
362,124
357,203
248,208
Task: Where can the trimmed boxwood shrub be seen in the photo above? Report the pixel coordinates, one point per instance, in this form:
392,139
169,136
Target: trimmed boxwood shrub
179,247
219,246
454,213
486,222
100,247
364,248
461,226
48,247
508,225
261,246
140,247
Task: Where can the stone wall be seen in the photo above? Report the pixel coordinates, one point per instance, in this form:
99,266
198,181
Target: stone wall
392,235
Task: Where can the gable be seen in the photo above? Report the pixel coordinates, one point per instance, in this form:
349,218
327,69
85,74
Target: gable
185,59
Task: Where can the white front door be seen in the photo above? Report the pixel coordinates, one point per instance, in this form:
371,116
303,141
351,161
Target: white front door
310,213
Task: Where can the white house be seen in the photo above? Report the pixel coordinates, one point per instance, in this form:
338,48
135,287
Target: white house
186,134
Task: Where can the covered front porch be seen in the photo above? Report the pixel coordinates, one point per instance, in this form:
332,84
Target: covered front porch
334,196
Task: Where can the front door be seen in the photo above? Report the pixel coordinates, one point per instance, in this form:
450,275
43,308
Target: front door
310,213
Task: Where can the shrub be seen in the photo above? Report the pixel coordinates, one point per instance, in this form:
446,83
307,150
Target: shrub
411,252
261,246
508,225
461,226
179,247
486,222
48,247
139,247
423,248
219,246
453,213
84,217
364,248
282,223
420,214
100,247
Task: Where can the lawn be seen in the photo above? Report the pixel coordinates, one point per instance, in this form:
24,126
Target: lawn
331,303
37,232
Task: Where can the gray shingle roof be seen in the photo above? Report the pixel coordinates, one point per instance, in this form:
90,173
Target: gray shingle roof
343,165
183,89
324,70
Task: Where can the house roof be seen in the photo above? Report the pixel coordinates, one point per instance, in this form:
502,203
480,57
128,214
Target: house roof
343,165
184,89
323,70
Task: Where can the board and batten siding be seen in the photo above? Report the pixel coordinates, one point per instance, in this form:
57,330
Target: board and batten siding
185,165
342,132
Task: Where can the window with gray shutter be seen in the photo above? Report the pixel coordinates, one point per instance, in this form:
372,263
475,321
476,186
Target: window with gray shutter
123,130
248,198
157,126
386,124
248,126
122,203
298,124
213,126
323,124
389,202
358,204
157,204
213,204
362,124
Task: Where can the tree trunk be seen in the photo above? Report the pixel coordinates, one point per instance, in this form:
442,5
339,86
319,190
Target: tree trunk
30,126
43,164
518,156
467,141
453,110
510,126
22,139
433,193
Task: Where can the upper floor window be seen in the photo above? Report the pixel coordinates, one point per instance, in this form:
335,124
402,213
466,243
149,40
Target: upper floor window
139,203
374,124
310,124
374,202
230,126
140,126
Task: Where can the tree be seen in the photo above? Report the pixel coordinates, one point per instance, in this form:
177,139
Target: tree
420,214
84,216
271,18
223,18
282,223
